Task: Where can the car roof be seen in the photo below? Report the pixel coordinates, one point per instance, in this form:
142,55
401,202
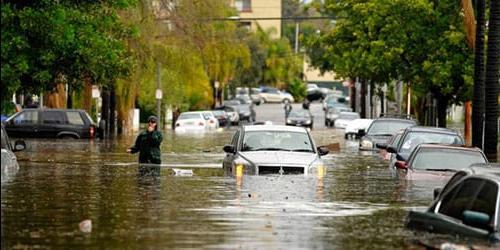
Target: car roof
431,129
274,128
490,171
448,146
395,120
50,109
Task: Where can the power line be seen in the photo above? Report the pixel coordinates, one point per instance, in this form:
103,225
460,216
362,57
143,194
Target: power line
237,18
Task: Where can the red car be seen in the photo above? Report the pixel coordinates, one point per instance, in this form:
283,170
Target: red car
437,162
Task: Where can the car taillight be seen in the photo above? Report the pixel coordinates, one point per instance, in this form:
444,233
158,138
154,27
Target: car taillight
401,165
201,124
211,121
92,131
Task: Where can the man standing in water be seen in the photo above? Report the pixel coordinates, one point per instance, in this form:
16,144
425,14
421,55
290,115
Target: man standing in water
148,143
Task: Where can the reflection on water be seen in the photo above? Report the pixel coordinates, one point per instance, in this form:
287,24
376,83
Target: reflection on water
355,204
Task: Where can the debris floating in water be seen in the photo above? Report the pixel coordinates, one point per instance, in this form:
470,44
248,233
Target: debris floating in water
183,172
85,226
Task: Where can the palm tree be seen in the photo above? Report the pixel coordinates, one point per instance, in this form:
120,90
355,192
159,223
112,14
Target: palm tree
478,100
492,82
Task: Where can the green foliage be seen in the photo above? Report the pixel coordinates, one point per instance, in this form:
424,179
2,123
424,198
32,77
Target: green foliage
44,40
298,89
417,41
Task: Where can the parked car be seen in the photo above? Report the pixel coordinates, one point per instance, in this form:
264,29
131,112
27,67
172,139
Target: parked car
334,99
413,136
301,117
431,162
316,94
381,130
273,149
246,104
467,206
352,129
194,121
392,141
244,108
221,116
345,118
10,165
232,114
270,94
52,123
332,113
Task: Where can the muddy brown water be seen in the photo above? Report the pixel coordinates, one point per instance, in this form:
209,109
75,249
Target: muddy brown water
356,205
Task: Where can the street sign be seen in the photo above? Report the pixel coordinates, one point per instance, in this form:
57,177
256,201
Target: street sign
95,91
159,94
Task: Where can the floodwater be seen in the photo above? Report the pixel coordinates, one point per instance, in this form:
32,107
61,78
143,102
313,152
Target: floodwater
60,183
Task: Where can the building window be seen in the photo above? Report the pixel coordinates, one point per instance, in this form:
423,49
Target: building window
243,5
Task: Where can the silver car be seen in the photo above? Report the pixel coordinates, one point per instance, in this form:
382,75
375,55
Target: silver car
9,159
273,149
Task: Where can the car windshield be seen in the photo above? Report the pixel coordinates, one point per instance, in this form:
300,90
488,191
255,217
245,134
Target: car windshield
185,116
348,116
387,127
299,114
277,140
432,159
413,139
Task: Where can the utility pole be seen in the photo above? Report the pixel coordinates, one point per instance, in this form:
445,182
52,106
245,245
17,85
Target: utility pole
296,36
159,94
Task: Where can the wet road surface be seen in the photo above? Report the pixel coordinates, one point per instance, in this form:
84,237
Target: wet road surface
356,205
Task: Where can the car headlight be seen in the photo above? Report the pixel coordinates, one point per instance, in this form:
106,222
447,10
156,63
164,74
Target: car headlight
365,143
241,166
317,168
308,122
288,121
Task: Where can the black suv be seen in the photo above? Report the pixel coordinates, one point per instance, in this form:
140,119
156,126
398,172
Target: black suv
52,123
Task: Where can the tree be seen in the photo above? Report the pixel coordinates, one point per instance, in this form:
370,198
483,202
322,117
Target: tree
478,100
46,40
492,80
418,41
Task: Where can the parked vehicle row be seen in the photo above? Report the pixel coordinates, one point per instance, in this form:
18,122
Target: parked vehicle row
469,202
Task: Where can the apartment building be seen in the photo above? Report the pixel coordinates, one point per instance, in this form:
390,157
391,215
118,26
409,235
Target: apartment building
266,13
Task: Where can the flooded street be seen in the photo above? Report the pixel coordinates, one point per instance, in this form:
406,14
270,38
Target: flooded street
357,204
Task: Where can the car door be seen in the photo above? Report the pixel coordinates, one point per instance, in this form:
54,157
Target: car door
230,157
473,194
23,124
52,123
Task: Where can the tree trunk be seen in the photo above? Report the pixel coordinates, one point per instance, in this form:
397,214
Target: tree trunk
491,83
478,99
362,98
352,94
112,111
442,105
470,29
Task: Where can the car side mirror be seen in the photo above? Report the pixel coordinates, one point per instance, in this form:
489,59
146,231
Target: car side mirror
381,145
476,219
361,132
229,149
19,145
391,149
323,150
437,191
